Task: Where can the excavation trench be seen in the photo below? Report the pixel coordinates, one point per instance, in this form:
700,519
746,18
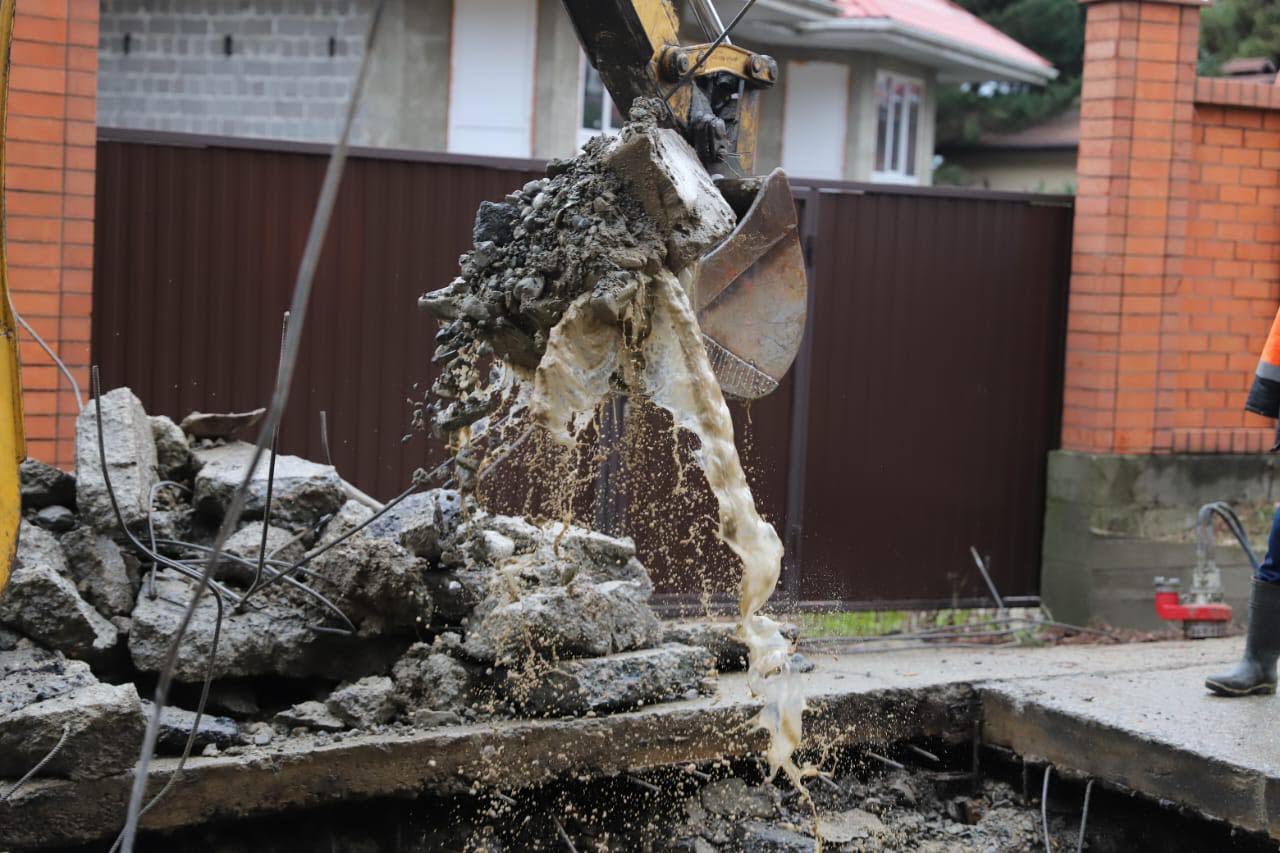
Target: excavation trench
940,792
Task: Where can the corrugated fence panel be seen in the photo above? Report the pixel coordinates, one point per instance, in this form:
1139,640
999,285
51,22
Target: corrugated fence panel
930,400
200,248
935,393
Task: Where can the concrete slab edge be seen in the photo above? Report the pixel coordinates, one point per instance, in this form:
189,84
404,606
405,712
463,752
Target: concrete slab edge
1162,771
509,755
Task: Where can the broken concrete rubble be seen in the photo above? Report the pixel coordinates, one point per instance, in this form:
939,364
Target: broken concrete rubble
677,193
377,584
273,638
130,452
302,492
428,679
719,638
579,229
584,619
420,522
40,602
348,517
455,593
500,588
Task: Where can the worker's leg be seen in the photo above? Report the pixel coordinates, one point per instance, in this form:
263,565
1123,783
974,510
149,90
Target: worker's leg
1269,571
1256,672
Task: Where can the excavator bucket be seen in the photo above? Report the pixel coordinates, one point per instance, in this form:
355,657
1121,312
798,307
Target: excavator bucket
750,291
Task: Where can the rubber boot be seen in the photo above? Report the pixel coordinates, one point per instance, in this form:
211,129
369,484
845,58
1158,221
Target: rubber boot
1256,673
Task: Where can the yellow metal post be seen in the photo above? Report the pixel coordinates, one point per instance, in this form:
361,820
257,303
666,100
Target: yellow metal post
12,445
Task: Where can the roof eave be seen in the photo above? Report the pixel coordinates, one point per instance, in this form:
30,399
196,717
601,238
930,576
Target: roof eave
958,61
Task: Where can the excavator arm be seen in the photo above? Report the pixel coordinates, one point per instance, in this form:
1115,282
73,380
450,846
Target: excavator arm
712,90
750,291
12,448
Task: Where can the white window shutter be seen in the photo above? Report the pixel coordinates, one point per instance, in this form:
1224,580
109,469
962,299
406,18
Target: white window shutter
816,119
491,84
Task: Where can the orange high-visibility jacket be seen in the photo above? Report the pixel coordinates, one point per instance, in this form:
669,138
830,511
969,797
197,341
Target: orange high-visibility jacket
1264,397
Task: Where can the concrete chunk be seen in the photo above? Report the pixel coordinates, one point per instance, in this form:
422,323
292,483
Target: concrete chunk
420,522
719,638
176,725
247,542
733,797
97,566
173,454
584,619
30,674
364,703
103,724
303,492
130,456
455,594
274,640
55,519
43,604
377,584
311,715
220,424
617,683
44,485
425,678
664,173
348,517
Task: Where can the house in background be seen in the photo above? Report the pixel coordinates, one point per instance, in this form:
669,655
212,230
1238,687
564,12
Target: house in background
1042,158
507,78
1037,159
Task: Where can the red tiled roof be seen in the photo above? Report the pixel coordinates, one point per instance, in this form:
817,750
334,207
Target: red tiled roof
945,19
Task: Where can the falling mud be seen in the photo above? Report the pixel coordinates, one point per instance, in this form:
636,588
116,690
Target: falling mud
572,297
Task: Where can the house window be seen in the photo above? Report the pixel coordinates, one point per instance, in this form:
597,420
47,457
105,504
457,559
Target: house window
599,115
898,124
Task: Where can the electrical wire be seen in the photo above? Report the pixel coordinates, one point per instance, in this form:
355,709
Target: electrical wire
49,351
293,342
1084,816
1044,809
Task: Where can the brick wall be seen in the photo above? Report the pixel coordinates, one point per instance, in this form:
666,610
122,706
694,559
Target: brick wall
49,188
1176,271
280,80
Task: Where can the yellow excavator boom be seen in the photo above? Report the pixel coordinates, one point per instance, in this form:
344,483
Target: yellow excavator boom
12,445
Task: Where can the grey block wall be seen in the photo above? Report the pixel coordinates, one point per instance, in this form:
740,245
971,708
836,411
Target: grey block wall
280,80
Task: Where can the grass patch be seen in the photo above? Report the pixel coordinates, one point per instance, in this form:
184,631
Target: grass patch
875,623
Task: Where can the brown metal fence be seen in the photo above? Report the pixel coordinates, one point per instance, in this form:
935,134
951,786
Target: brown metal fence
915,424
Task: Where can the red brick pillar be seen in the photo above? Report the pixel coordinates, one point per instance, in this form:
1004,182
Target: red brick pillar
49,192
1136,140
